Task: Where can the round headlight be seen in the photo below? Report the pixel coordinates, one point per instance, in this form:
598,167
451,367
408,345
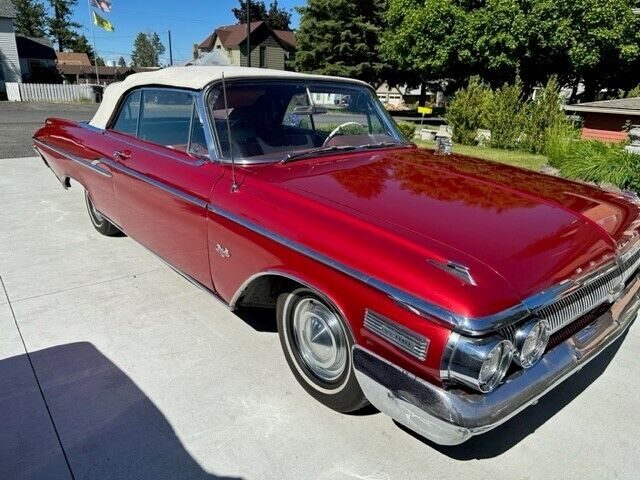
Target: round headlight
495,366
531,341
480,363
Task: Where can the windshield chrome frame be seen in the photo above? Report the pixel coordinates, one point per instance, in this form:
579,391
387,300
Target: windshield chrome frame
215,150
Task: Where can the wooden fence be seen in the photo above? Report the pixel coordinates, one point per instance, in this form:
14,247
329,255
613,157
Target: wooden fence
49,92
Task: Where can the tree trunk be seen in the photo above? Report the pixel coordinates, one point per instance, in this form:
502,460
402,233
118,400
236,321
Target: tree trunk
423,94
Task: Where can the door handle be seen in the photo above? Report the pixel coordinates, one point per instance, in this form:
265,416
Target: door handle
122,154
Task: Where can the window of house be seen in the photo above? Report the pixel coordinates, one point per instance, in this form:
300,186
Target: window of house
263,57
127,121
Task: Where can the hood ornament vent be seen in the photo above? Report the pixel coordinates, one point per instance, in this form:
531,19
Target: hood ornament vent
462,272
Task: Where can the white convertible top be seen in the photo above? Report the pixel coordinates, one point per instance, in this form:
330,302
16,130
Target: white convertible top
194,77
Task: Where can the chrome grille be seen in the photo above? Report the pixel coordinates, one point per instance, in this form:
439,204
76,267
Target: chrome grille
587,297
593,293
400,336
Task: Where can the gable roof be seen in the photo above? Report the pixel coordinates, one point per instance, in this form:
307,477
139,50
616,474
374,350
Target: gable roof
231,36
620,106
73,58
7,9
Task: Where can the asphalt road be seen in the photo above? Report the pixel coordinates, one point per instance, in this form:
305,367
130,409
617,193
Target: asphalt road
114,367
20,120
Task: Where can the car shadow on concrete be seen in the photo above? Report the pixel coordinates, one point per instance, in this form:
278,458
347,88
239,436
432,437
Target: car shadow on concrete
509,434
108,427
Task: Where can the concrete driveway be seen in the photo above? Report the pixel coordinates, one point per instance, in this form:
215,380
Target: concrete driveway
113,366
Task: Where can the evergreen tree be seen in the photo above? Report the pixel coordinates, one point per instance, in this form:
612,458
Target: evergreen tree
277,18
31,20
122,62
99,62
61,27
147,49
341,37
258,11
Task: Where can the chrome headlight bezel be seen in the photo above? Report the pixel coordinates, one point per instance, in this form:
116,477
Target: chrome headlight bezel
466,356
538,329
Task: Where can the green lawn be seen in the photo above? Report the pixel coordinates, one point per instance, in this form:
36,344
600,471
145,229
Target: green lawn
510,157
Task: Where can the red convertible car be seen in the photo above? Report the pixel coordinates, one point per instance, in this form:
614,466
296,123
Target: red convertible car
449,292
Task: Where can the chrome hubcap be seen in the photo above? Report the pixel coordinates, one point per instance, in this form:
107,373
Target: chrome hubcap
320,339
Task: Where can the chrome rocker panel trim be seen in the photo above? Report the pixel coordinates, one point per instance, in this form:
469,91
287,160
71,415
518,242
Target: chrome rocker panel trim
449,417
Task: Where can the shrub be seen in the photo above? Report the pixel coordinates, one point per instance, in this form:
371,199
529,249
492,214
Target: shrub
505,116
559,140
634,92
540,115
467,111
408,129
595,161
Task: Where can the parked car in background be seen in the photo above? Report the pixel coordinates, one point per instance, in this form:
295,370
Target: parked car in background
449,292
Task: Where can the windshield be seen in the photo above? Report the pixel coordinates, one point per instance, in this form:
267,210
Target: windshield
282,119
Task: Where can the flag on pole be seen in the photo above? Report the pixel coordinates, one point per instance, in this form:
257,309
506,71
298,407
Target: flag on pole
102,22
104,5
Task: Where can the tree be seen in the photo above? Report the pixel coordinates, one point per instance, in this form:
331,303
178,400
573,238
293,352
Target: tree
99,61
277,18
122,62
594,42
341,37
258,11
147,49
79,43
61,27
31,20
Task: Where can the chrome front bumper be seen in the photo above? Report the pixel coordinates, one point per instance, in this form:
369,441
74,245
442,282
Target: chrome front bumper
450,417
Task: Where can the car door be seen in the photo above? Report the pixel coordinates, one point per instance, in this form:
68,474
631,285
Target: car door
164,178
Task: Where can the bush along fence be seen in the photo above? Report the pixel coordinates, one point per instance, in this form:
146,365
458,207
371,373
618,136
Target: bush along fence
538,126
50,92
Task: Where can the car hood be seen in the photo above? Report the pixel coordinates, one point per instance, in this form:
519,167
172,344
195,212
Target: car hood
532,230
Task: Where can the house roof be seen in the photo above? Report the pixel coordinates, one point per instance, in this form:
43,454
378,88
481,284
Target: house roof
231,36
196,78
7,10
620,106
35,48
72,58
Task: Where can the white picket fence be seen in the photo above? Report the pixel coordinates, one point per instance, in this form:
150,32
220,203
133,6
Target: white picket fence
48,92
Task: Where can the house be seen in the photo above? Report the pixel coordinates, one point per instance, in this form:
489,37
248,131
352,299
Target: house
400,97
9,60
37,59
607,120
269,48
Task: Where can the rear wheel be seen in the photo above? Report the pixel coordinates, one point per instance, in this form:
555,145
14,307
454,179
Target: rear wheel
101,224
317,345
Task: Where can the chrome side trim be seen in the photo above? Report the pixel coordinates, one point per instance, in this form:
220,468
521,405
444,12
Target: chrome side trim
451,417
472,326
435,313
156,183
93,165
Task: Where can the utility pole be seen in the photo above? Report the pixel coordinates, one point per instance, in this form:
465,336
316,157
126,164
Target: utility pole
248,33
170,49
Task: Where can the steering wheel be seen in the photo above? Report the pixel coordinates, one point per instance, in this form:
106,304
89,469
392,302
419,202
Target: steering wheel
336,130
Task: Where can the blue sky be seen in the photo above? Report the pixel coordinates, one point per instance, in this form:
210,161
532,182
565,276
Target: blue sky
190,21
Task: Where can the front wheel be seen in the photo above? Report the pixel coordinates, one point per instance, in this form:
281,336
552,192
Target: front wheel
317,345
101,224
